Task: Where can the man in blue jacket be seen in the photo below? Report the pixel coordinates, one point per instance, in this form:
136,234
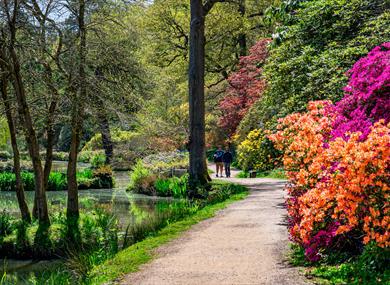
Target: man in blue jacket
227,160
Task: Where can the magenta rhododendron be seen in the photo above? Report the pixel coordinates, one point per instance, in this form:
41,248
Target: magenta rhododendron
367,97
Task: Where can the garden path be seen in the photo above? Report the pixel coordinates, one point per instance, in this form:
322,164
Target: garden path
246,243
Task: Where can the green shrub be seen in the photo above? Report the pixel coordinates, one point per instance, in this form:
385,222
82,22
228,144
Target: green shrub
98,160
60,156
57,181
174,186
117,137
142,179
104,177
257,152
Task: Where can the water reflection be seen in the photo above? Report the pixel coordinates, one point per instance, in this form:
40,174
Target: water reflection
127,207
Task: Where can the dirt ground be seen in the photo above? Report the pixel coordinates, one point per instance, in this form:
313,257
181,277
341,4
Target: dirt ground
246,243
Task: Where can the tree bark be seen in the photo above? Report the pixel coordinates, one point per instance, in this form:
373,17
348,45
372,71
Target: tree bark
242,37
41,211
25,212
198,169
77,116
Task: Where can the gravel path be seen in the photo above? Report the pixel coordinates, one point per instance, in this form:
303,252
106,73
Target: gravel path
245,243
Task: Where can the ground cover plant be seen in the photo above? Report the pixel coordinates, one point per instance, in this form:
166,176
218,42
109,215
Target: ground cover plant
339,173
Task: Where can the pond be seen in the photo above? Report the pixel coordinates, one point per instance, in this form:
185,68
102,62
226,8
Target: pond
127,207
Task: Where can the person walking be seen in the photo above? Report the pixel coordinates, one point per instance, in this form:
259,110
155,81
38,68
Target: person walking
218,159
227,160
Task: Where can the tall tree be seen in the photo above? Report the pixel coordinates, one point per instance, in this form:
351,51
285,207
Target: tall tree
24,210
13,14
197,146
78,99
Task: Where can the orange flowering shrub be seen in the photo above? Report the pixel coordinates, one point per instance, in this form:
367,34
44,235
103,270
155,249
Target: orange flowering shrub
339,190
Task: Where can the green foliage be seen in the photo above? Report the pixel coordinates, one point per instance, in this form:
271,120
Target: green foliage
141,179
98,160
87,179
257,152
174,186
117,137
87,155
150,175
6,225
370,267
103,177
323,41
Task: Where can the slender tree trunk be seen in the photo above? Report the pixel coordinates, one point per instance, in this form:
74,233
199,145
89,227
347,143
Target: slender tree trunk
50,123
106,136
50,143
198,169
73,199
25,212
77,116
242,37
41,210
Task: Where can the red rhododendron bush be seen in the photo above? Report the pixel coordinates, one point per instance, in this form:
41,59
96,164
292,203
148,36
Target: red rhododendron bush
245,87
339,192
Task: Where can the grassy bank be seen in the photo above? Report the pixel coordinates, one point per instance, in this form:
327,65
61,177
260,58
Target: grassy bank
130,259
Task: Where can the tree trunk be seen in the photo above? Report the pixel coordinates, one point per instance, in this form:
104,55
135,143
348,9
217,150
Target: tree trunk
77,117
41,210
73,199
25,212
242,37
198,170
50,143
106,136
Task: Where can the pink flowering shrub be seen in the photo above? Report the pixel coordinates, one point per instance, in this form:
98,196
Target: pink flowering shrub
337,159
367,97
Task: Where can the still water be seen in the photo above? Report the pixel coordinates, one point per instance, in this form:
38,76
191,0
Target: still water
127,207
